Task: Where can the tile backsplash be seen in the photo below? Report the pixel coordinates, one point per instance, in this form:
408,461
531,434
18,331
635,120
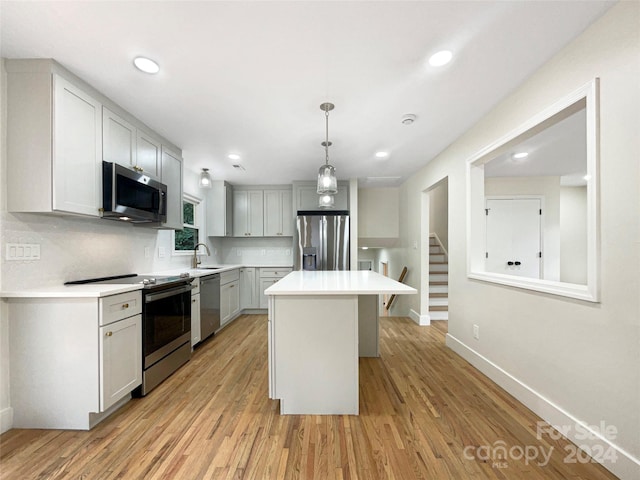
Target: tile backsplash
257,251
73,248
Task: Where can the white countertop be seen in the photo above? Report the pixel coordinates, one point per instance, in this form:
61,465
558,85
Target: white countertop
89,290
96,290
360,282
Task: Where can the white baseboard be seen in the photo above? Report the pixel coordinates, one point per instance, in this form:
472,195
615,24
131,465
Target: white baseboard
419,319
624,466
6,419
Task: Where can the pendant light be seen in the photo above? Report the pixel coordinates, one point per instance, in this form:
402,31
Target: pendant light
325,201
327,181
205,178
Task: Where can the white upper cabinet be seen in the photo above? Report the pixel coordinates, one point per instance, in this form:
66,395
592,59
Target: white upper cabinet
130,146
60,129
219,209
248,213
77,173
148,155
171,168
278,216
53,143
119,139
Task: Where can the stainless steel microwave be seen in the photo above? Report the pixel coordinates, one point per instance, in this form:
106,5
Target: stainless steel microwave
132,196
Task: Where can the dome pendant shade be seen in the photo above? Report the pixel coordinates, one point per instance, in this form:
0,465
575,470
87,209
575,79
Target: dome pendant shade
326,201
327,181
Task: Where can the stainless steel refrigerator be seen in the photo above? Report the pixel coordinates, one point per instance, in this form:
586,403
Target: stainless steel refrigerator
322,241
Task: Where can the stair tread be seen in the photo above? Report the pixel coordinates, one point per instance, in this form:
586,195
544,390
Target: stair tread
438,294
438,283
438,308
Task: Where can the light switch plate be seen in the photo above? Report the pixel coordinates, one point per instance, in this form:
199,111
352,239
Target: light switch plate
22,251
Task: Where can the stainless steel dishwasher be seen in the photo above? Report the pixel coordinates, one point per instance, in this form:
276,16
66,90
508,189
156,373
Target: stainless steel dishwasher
209,305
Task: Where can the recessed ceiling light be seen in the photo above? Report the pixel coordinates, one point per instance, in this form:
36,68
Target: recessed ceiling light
520,155
382,154
146,65
233,156
408,119
441,58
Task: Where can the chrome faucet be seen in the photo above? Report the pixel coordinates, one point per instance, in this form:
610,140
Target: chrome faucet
195,262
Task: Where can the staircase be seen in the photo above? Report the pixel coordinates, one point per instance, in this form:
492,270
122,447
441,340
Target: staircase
438,281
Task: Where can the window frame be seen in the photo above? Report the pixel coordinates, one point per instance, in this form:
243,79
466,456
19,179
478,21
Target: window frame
198,225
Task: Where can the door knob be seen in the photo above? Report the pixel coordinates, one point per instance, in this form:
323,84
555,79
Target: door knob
509,263
518,263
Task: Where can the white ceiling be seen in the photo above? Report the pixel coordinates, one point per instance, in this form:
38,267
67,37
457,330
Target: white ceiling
560,150
249,77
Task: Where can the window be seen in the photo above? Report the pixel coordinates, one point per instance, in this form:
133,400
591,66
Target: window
186,239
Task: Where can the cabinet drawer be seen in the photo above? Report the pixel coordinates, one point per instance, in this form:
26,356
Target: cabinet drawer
117,307
230,276
274,272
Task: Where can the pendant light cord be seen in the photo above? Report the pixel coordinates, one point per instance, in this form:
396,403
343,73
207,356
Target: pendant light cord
326,143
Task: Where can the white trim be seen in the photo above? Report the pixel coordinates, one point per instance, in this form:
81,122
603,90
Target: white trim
475,198
624,466
421,320
198,216
6,419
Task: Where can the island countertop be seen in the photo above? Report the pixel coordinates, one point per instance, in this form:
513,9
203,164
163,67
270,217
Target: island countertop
361,282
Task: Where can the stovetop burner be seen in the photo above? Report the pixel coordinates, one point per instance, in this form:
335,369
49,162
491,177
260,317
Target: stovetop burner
148,281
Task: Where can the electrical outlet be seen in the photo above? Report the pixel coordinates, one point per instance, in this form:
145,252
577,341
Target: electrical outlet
161,252
147,252
476,332
415,244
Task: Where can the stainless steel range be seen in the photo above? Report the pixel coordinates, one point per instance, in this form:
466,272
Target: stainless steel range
166,323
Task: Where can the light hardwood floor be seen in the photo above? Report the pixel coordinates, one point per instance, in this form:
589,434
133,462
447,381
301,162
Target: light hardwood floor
421,408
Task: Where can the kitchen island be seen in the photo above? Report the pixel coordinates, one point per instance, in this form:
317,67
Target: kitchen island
320,322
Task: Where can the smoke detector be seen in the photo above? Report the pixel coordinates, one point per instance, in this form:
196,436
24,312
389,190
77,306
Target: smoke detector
408,119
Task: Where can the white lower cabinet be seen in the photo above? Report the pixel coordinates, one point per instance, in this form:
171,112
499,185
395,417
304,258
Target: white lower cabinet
72,359
195,319
229,302
267,277
120,359
248,288
229,296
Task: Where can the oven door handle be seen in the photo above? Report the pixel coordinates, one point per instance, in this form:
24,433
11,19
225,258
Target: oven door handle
152,297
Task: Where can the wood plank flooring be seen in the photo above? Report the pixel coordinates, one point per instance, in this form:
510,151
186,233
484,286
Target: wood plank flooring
422,408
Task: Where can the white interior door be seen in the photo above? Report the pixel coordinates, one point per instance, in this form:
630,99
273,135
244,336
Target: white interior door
514,236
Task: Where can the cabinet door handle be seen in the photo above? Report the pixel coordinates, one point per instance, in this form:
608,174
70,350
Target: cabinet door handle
108,334
125,305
